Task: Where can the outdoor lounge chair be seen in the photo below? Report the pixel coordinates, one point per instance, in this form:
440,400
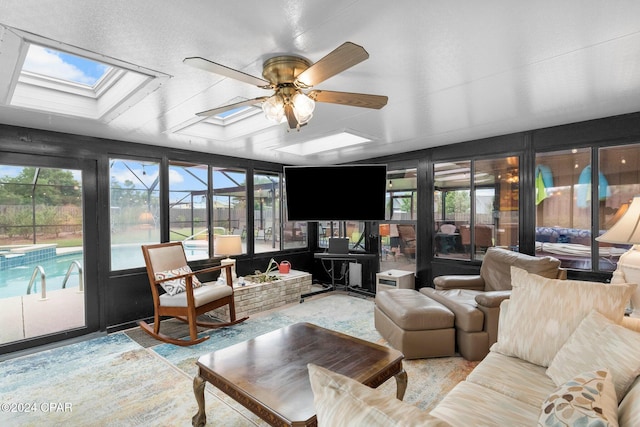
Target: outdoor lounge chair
185,298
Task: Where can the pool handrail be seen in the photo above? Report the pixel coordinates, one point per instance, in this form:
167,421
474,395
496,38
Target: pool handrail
43,279
80,275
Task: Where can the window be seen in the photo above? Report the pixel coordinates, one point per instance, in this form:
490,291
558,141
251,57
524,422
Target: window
69,81
398,232
563,206
568,184
473,215
134,210
226,125
266,200
402,187
452,209
229,203
497,198
64,67
188,215
620,168
294,232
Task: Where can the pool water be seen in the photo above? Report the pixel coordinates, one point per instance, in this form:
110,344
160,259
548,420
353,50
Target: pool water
15,280
124,257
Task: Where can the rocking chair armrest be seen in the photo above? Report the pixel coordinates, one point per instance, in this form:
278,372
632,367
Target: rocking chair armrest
166,279
218,268
210,269
193,273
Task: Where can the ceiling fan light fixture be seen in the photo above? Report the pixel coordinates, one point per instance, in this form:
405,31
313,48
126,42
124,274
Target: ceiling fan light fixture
303,107
288,76
273,108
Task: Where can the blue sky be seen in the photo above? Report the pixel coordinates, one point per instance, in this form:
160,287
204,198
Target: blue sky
179,179
61,65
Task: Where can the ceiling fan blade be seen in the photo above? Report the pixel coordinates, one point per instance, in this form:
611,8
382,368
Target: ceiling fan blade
346,98
218,110
205,64
291,118
345,56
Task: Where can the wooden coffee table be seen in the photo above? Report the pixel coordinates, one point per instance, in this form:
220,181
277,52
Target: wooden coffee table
268,374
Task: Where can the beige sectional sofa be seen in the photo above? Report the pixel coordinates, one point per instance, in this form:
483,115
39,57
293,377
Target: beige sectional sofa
509,391
565,355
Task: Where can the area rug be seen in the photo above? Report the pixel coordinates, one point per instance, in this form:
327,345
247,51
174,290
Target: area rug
115,381
429,379
107,381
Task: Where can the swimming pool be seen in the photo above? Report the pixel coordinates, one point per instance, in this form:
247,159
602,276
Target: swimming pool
128,256
15,280
17,267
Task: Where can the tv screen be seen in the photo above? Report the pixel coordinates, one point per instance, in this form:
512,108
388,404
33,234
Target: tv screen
335,193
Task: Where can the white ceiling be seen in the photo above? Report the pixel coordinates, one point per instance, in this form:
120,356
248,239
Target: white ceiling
453,70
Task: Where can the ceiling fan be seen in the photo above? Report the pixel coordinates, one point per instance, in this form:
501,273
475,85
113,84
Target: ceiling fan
291,78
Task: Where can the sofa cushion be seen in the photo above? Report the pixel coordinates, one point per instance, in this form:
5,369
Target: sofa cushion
497,262
463,305
544,312
629,409
204,294
598,342
513,377
470,404
340,400
588,399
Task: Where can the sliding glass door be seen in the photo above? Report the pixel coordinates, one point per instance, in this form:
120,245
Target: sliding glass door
43,282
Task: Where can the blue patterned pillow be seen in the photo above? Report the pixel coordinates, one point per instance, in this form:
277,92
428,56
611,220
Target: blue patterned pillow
173,287
587,400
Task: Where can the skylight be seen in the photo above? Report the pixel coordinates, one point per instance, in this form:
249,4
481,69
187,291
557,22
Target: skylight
229,117
67,80
331,142
230,113
64,66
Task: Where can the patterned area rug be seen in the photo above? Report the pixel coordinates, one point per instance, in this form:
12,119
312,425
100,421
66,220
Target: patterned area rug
115,381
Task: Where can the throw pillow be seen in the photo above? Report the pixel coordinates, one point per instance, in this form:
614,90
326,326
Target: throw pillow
544,312
587,400
629,408
173,287
342,401
599,342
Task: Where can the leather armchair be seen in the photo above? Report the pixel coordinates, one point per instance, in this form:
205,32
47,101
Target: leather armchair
475,299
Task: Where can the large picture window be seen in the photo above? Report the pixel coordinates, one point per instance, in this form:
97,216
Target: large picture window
229,203
578,199
188,215
476,206
398,238
135,208
563,206
266,206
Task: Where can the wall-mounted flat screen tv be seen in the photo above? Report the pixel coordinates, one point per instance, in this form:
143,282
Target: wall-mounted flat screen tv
335,193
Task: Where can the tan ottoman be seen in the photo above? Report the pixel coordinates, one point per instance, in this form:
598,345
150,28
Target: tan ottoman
414,324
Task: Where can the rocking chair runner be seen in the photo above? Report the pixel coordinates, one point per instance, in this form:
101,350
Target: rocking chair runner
162,261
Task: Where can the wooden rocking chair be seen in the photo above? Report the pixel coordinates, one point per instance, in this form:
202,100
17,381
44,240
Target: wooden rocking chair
185,297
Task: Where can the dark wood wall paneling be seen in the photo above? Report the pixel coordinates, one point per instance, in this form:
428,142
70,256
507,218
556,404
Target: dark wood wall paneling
617,130
124,296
